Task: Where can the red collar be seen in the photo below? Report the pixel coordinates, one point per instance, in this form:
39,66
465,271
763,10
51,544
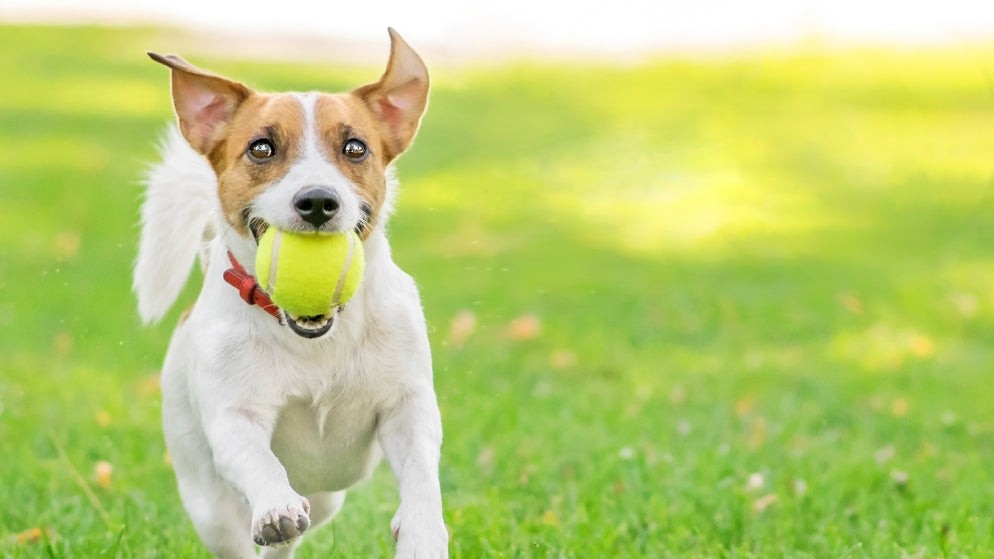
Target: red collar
248,288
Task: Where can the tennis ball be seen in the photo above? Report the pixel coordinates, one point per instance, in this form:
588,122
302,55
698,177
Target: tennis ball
308,274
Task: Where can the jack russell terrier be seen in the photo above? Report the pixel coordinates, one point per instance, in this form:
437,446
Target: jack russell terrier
269,417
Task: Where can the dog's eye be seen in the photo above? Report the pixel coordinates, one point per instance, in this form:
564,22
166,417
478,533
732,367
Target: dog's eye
355,150
261,150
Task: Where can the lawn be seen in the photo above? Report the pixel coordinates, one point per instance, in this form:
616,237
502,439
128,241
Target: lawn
729,306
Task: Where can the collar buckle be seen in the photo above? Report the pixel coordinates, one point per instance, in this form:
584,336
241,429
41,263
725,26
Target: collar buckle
248,288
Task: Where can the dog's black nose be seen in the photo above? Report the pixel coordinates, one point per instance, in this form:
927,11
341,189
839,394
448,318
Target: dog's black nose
316,205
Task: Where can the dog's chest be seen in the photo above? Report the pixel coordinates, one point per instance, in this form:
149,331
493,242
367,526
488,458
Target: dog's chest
327,443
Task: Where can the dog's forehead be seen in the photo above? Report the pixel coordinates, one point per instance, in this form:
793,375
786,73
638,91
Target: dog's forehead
264,115
341,108
297,114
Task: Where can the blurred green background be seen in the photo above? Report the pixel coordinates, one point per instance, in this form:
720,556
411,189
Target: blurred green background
734,305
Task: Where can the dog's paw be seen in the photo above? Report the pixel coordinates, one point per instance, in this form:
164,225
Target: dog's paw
417,538
279,521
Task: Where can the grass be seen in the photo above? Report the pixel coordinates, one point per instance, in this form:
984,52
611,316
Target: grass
735,307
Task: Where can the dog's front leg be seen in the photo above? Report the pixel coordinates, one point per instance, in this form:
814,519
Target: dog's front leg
240,441
411,437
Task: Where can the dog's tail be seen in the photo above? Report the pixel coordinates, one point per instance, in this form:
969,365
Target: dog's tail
176,224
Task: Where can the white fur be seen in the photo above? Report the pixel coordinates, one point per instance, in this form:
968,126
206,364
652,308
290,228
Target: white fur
261,423
180,206
311,169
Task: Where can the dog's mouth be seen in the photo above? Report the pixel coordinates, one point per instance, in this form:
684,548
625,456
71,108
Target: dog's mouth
257,226
310,326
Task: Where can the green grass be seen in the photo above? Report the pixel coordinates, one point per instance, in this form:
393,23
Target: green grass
764,285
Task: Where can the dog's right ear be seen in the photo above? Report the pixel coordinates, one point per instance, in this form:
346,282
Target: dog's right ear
204,101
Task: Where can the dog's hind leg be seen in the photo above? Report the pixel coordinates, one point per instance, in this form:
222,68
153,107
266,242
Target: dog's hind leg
324,507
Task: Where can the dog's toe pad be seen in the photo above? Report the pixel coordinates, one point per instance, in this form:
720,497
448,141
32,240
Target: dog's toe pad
270,534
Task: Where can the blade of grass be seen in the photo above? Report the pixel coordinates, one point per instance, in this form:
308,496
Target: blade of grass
82,483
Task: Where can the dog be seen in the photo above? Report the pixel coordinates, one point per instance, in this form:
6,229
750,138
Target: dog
270,417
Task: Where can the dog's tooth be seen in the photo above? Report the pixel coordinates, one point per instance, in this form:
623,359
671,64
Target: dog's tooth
312,323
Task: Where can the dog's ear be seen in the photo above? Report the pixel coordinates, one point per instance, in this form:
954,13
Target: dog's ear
204,101
400,97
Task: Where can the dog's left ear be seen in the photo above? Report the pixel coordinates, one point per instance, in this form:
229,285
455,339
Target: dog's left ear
400,97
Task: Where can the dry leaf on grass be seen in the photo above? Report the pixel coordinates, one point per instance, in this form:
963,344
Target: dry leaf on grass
462,326
525,327
102,471
764,502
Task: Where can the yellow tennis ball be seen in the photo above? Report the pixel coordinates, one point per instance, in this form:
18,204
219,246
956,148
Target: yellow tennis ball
309,274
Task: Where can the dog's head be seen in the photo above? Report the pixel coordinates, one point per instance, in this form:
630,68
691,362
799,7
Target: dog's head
310,162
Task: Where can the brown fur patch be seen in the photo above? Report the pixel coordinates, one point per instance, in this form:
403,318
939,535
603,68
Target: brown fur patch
277,117
280,118
341,118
